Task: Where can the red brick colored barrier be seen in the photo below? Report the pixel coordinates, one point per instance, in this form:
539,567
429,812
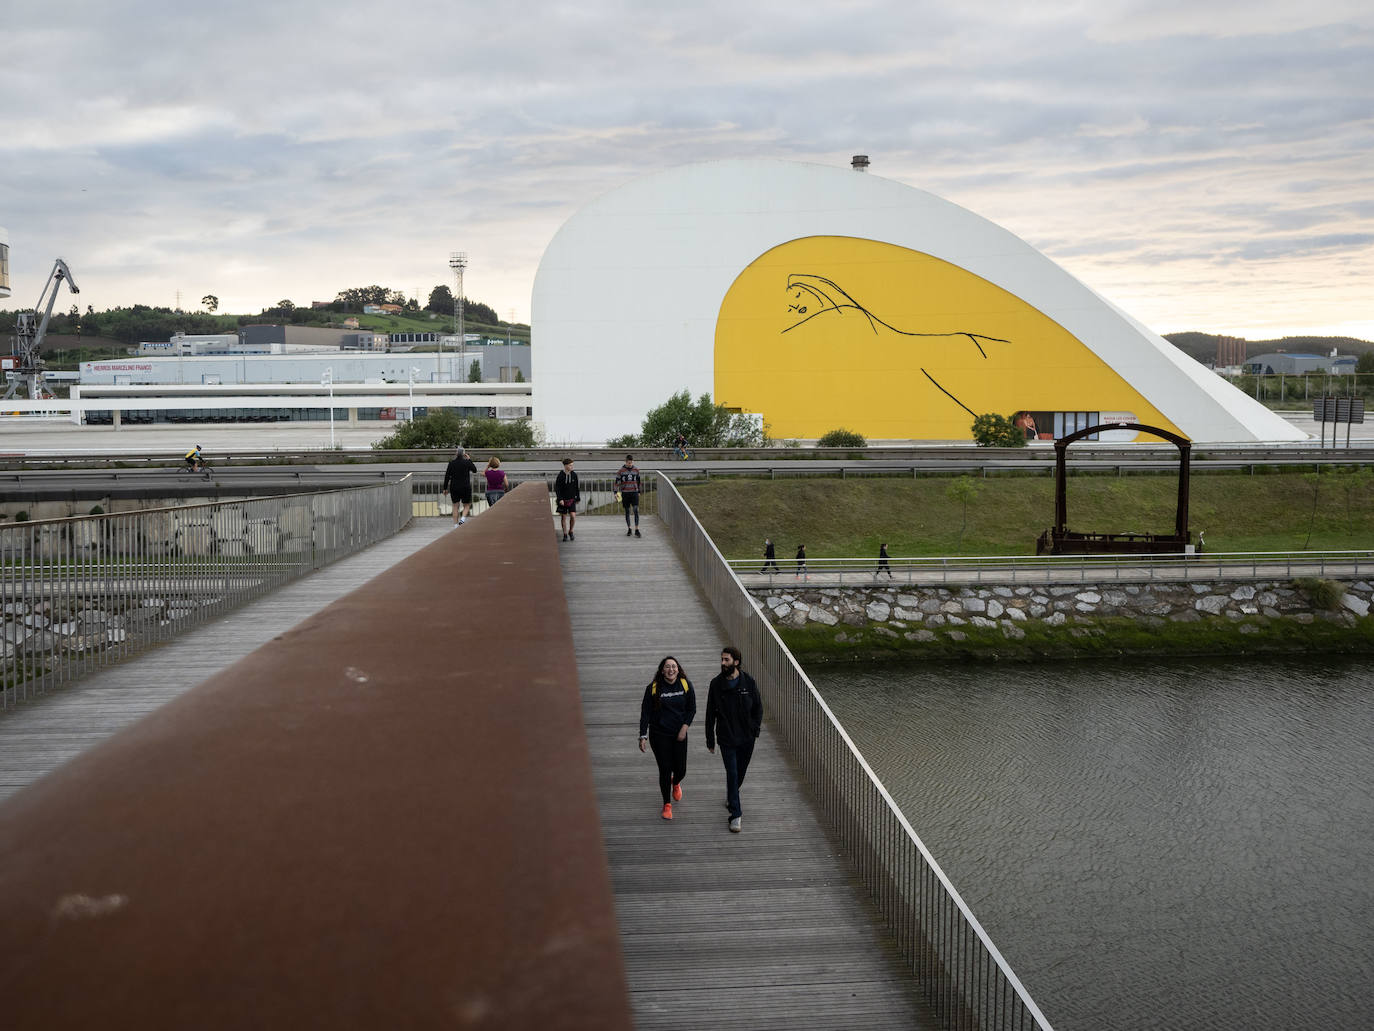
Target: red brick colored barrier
384,818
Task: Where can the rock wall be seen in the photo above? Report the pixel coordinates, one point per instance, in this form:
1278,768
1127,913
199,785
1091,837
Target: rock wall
927,615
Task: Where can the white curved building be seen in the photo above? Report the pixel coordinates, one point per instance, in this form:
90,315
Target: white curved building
822,298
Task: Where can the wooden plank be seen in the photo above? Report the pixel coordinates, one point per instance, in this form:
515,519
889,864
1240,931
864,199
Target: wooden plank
47,731
763,929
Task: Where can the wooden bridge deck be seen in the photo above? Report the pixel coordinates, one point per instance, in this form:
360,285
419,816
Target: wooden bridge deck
45,732
763,929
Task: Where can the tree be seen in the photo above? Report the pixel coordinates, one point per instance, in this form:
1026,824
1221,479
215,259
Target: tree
475,372
702,422
285,307
357,296
1365,364
993,430
443,428
962,492
210,302
440,301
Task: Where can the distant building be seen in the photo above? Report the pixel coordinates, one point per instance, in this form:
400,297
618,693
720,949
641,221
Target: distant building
4,262
365,341
1230,351
1281,363
381,309
350,323
264,334
183,345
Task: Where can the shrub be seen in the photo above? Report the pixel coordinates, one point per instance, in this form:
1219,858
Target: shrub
21,517
96,510
703,422
628,440
1323,594
842,438
446,429
993,430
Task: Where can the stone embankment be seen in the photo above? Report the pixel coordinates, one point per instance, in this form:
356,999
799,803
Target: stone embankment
1008,621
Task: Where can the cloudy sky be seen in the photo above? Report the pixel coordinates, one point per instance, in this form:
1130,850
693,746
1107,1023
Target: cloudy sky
1205,164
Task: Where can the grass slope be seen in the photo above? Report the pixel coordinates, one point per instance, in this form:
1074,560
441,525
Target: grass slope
843,518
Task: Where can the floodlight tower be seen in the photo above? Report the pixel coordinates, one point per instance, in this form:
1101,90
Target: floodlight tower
458,261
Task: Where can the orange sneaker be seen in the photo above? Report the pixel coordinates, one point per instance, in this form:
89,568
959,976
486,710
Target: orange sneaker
667,810
677,792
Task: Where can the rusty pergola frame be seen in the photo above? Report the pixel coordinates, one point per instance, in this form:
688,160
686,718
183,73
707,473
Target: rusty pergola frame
1061,540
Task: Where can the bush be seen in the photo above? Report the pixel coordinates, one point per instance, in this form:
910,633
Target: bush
96,510
21,517
702,422
446,429
842,438
1323,594
993,430
628,440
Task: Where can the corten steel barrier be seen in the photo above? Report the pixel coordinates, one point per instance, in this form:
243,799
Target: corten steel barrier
384,817
967,980
78,594
1042,569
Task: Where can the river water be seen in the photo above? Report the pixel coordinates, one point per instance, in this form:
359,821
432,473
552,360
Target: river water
1180,845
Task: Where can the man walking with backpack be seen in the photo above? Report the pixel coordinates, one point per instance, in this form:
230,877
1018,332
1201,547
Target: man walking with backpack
734,717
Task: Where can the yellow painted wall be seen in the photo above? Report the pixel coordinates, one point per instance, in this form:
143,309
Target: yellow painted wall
826,331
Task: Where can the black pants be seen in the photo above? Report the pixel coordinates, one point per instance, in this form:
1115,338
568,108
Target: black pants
671,756
736,759
630,501
770,562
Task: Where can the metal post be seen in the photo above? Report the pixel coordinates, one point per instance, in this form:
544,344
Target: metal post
458,261
328,381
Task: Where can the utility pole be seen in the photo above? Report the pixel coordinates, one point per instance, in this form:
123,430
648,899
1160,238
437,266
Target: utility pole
458,261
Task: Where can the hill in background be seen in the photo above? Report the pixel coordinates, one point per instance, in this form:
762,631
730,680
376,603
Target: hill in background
1203,346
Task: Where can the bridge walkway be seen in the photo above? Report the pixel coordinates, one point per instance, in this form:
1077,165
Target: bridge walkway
46,732
763,929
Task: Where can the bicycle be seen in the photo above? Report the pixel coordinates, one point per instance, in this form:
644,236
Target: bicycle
684,453
205,471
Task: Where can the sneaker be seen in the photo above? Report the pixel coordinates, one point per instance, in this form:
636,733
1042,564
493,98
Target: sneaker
734,825
637,531
628,532
667,810
572,536
462,521
565,536
677,792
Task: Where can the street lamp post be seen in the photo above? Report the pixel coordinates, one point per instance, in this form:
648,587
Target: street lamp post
328,381
411,416
458,261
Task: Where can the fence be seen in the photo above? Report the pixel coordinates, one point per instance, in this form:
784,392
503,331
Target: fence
78,594
598,493
965,978
1039,569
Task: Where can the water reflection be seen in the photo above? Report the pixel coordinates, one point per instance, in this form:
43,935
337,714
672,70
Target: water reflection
1163,845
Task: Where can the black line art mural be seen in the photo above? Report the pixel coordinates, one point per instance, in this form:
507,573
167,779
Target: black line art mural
811,296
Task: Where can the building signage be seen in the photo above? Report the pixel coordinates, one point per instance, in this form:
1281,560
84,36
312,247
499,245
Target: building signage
118,366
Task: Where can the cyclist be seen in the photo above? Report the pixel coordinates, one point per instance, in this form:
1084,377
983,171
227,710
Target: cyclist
195,460
680,447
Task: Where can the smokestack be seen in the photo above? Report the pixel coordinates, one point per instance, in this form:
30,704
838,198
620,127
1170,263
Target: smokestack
859,163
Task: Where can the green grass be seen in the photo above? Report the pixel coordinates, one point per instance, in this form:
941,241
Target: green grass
842,518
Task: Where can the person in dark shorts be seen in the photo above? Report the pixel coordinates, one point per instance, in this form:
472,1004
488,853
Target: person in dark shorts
734,716
770,556
627,484
667,711
457,483
801,562
567,494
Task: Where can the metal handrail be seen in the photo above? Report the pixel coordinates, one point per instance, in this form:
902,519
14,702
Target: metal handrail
964,976
1009,569
79,594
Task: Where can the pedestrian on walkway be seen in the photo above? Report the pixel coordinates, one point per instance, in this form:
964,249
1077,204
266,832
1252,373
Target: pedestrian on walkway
734,717
667,711
567,494
883,567
458,476
770,556
496,480
801,562
627,484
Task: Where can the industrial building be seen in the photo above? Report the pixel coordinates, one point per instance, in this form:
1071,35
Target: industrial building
1280,363
4,262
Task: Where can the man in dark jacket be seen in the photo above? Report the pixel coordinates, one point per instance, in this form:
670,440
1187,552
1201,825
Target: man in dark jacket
734,716
457,484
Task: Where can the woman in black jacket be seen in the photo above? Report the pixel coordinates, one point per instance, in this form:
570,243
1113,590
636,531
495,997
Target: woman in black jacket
667,711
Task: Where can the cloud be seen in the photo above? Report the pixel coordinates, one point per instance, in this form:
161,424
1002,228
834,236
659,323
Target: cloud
290,149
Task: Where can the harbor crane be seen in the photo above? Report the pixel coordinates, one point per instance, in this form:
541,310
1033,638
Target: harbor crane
29,334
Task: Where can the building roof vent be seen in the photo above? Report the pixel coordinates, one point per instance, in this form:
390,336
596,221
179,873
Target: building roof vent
859,162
